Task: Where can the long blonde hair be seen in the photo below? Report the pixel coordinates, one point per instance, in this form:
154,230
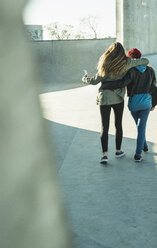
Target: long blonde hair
113,61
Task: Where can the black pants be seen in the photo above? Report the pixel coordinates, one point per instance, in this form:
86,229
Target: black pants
105,111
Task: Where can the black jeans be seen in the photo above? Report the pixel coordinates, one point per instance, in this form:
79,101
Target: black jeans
105,111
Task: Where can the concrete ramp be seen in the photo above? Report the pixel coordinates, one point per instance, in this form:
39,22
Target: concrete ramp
112,206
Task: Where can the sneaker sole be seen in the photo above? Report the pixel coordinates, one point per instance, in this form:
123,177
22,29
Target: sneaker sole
138,161
119,156
104,161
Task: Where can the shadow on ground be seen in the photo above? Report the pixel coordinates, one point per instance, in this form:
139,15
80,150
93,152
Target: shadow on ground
63,137
112,206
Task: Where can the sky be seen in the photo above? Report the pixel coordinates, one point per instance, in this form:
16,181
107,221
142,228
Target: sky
70,12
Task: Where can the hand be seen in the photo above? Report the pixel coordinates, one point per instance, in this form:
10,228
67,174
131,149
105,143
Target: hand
85,78
87,75
152,108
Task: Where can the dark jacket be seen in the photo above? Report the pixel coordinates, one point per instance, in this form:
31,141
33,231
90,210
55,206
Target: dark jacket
107,96
137,83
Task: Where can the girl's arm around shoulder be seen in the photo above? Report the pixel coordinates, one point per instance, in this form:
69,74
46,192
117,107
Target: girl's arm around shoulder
91,80
116,84
135,62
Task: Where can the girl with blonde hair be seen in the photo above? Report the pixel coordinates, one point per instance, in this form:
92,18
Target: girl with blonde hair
112,65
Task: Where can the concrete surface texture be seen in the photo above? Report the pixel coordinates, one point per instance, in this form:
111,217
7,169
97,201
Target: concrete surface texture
31,210
136,23
62,62
112,206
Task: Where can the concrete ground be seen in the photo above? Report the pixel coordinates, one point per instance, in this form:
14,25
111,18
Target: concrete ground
108,206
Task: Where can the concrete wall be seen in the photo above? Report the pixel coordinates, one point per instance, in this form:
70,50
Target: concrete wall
63,62
136,24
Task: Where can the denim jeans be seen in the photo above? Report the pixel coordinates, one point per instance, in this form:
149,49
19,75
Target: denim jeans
140,118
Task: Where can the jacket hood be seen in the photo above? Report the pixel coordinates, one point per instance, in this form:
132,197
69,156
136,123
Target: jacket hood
141,68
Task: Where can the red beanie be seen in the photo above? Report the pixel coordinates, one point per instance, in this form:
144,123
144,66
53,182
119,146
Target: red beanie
134,53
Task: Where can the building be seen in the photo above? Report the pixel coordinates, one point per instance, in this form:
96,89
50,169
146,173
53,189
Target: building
35,31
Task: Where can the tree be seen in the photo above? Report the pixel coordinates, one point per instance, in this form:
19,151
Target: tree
90,26
80,35
59,31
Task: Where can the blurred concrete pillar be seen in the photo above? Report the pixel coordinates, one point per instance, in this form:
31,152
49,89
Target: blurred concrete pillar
31,211
136,24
